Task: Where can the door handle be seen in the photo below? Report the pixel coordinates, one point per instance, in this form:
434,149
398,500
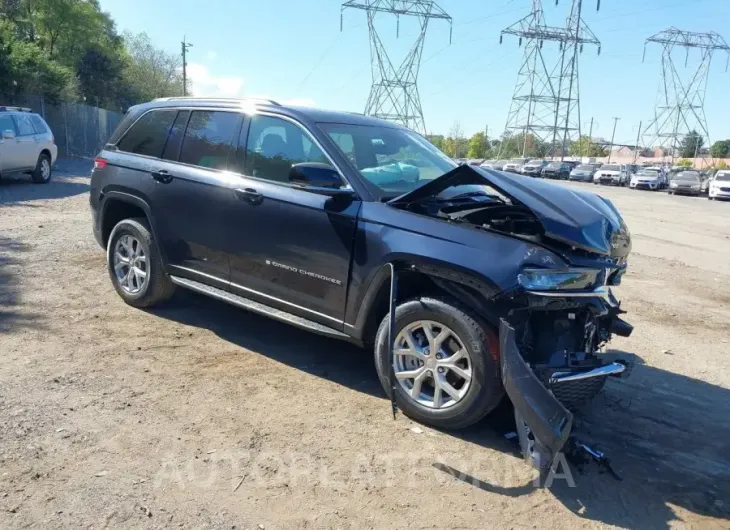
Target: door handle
250,196
162,176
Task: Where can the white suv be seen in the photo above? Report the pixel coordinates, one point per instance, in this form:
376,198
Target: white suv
26,144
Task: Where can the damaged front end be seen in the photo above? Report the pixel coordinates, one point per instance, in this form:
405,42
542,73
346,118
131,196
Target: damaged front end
558,314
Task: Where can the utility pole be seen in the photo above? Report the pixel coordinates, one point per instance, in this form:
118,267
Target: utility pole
636,150
486,140
185,47
590,138
610,150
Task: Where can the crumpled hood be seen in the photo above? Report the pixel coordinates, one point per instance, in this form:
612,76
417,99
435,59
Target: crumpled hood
578,218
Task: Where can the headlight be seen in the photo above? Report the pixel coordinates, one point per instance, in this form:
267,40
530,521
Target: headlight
673,185
557,280
695,186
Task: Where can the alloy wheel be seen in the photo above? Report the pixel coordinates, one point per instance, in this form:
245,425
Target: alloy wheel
130,264
45,169
431,364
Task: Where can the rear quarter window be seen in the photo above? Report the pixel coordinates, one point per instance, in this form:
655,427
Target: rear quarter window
148,135
38,124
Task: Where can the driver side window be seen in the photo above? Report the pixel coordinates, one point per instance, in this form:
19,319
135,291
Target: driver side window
274,145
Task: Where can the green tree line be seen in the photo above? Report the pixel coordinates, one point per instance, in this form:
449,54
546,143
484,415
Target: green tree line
70,50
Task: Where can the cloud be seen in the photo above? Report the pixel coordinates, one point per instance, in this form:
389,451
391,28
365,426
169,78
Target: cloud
211,55
203,83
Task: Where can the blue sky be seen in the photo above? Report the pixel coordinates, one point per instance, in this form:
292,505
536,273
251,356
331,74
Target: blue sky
293,50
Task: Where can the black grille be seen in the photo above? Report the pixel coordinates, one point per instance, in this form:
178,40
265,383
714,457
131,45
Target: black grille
724,189
574,394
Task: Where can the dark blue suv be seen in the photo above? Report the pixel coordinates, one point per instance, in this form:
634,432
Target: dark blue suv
328,220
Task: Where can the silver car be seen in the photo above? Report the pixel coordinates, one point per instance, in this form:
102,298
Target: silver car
26,144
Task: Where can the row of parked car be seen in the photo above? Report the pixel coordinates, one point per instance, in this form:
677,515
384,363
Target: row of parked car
687,182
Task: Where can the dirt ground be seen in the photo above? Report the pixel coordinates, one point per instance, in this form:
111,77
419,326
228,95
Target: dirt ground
200,415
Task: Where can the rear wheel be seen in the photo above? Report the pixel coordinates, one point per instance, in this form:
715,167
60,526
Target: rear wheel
445,372
134,264
42,172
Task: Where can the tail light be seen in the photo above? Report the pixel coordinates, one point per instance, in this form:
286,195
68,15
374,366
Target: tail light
100,163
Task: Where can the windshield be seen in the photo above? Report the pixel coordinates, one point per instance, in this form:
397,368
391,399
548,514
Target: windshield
723,177
395,161
583,167
691,176
610,167
554,165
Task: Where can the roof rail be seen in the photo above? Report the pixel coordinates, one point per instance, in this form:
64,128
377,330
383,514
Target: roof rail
15,109
199,98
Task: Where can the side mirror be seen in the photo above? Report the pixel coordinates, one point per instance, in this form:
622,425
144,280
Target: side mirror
8,134
316,177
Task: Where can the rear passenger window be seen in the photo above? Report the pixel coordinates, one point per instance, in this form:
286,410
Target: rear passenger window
6,123
38,124
25,127
209,138
172,149
149,134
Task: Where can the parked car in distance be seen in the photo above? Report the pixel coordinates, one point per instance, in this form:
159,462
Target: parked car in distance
720,185
475,161
498,165
359,229
514,165
583,173
572,164
685,183
26,144
556,170
534,168
612,174
650,178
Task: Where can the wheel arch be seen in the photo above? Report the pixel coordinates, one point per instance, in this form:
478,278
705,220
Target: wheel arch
419,276
116,206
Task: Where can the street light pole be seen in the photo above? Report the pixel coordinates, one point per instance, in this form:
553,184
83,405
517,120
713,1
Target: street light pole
185,47
610,150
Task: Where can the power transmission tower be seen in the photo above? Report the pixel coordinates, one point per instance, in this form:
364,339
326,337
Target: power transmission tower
394,94
681,103
545,106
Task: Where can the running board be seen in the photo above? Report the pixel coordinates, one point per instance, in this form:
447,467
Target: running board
259,308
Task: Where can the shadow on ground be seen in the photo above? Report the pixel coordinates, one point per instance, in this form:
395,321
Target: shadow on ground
11,316
667,435
21,189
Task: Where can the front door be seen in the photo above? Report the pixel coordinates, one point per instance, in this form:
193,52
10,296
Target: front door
289,247
8,153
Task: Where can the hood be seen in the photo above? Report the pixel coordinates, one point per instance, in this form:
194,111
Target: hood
575,217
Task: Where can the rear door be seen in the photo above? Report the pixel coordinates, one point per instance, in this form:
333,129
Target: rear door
8,153
290,247
25,143
191,194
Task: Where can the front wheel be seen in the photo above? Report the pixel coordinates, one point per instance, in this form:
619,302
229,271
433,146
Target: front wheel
445,363
42,172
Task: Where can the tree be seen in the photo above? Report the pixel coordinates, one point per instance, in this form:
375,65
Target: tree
477,146
151,72
455,145
585,146
691,144
720,149
684,163
437,140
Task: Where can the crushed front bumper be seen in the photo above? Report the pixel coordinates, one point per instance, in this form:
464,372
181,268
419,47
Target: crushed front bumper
548,420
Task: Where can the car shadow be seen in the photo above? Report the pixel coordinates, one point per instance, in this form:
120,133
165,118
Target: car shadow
16,189
666,434
12,316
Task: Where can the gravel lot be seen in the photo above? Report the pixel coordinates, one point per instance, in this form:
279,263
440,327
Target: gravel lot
200,415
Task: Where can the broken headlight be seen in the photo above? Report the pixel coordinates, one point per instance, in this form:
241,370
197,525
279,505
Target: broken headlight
558,280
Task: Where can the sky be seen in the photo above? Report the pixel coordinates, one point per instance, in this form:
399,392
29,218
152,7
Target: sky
294,51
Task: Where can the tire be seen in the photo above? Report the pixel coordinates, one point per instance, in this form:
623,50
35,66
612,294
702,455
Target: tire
485,389
42,167
710,198
670,193
157,287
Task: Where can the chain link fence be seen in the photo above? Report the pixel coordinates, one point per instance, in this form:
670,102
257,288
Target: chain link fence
79,129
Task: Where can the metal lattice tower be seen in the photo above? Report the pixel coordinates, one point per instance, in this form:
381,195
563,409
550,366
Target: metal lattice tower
681,103
394,94
546,100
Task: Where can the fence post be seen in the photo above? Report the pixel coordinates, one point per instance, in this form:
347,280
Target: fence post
65,125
